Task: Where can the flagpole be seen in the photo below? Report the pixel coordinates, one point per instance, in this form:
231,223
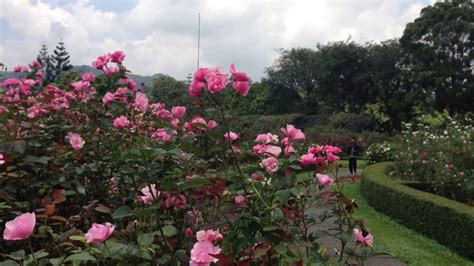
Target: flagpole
199,38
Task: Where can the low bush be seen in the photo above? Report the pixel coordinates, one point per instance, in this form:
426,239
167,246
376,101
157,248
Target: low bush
448,222
354,122
379,152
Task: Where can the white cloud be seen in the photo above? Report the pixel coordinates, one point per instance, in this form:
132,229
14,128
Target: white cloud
160,36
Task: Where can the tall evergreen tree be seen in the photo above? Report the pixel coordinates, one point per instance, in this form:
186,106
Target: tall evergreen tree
59,61
45,60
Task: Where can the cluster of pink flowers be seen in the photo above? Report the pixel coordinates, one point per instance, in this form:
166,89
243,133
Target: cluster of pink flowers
203,249
216,80
102,62
16,88
319,155
178,201
265,148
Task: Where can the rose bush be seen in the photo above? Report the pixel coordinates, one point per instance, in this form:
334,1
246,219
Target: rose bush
103,175
380,152
440,156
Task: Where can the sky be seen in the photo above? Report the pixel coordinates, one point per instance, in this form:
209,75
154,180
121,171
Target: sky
160,36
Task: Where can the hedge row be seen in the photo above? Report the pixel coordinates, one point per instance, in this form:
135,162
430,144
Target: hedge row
448,222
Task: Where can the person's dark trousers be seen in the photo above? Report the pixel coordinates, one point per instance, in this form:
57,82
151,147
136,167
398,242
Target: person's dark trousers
353,165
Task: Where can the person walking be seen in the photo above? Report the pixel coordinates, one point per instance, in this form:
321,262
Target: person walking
352,153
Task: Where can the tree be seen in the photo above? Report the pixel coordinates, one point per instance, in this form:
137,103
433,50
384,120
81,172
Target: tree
391,92
168,90
293,77
59,62
45,60
439,54
344,76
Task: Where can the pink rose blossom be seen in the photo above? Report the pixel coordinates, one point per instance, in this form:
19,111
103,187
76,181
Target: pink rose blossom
289,150
149,195
178,111
76,141
117,57
363,237
241,81
108,98
324,180
209,235
258,176
199,83
308,159
178,201
211,124
216,80
101,61
267,138
2,159
231,136
121,122
270,164
293,133
240,200
175,122
110,70
89,76
332,158
162,135
189,232
272,150
98,233
141,102
20,228
201,253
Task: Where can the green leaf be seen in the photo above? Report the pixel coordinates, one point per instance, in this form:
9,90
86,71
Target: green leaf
145,240
294,248
78,238
170,230
277,214
83,256
17,255
280,248
270,228
19,146
122,212
9,263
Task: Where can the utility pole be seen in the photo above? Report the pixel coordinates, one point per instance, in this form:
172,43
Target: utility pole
199,38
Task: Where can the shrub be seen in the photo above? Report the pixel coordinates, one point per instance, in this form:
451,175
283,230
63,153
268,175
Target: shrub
442,156
156,184
379,152
354,122
448,222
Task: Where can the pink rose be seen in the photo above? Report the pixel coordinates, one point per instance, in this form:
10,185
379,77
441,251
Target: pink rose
240,200
270,164
324,180
211,124
267,138
189,232
121,122
289,150
178,201
178,111
117,57
241,81
98,233
101,61
293,133
272,150
199,83
209,235
201,253
231,136
76,141
308,159
258,176
2,161
20,228
332,158
89,76
149,195
141,102
216,80
108,98
363,237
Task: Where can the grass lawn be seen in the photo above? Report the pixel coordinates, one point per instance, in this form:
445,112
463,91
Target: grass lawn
405,244
361,164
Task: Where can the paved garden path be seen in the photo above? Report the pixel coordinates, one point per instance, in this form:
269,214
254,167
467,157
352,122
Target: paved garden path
331,242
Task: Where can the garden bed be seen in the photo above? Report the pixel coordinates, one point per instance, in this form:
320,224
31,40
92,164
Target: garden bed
448,222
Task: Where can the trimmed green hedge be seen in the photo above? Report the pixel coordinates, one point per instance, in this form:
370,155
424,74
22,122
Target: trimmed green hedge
449,222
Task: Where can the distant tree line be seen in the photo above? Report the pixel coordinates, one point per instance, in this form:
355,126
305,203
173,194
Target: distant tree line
430,68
